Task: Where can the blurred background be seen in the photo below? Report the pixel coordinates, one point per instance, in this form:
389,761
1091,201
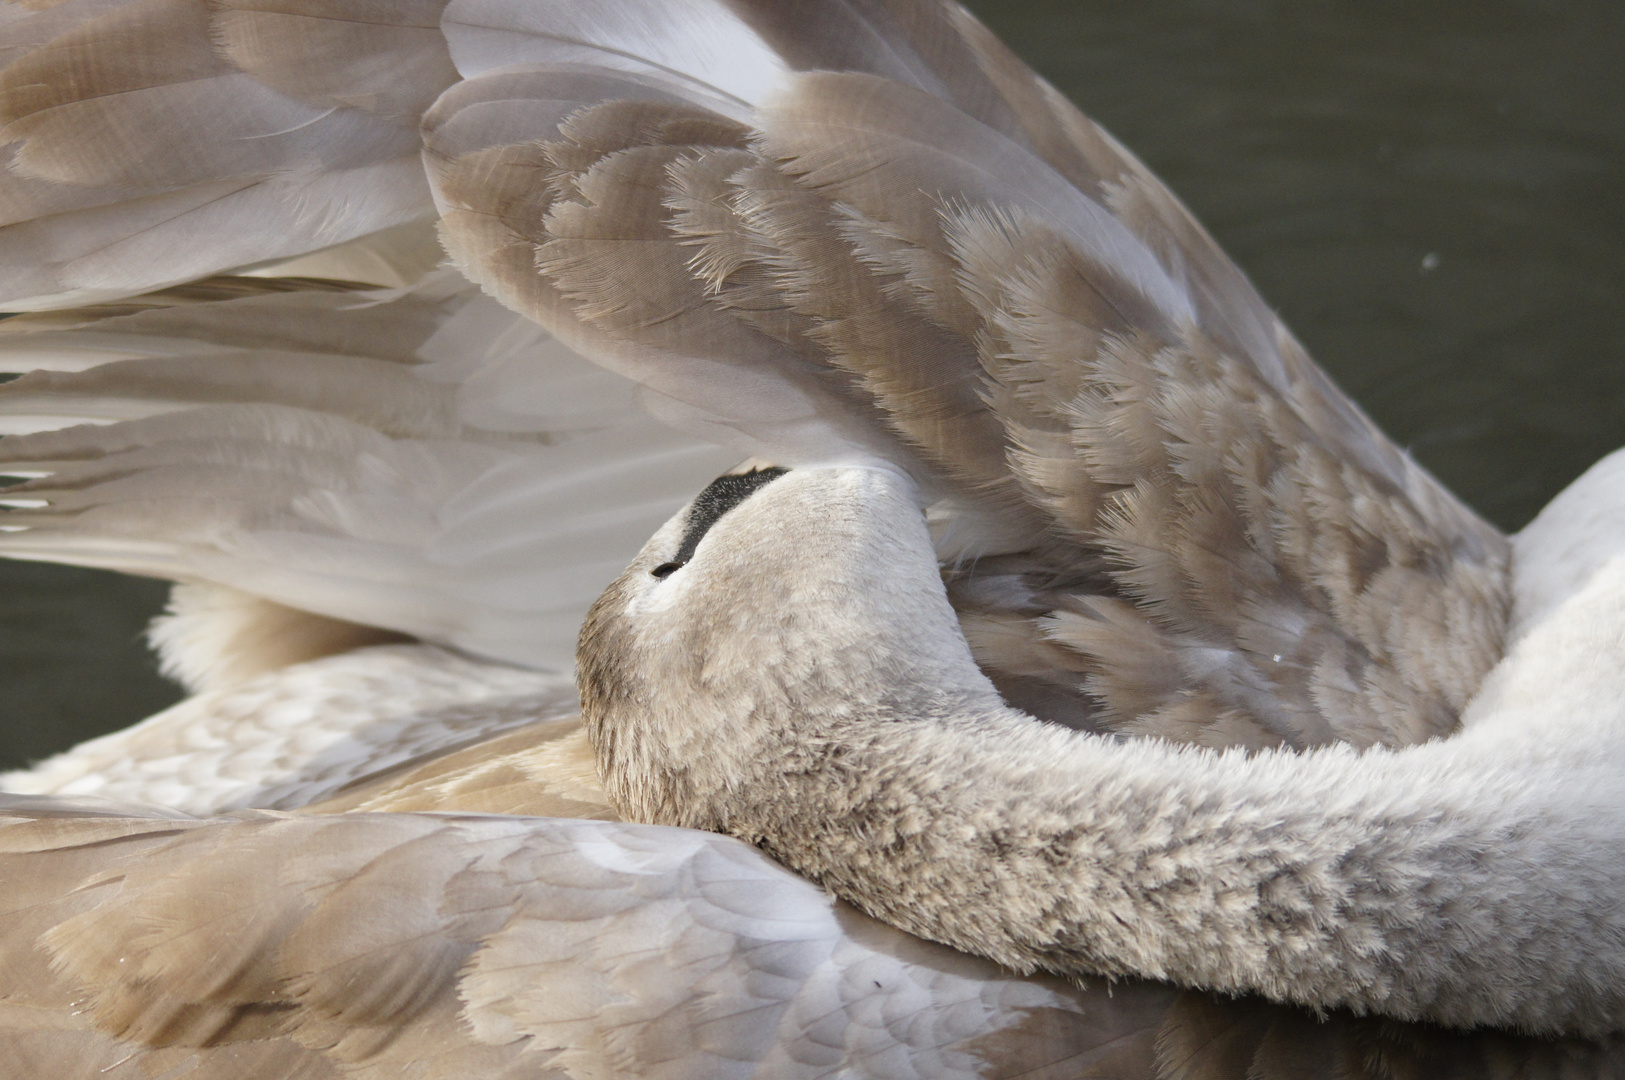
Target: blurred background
1433,196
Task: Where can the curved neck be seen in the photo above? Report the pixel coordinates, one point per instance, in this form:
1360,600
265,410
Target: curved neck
1470,881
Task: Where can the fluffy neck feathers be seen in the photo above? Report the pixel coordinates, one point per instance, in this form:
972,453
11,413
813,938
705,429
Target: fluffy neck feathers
802,684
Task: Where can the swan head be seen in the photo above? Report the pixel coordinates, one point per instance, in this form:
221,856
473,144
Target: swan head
769,614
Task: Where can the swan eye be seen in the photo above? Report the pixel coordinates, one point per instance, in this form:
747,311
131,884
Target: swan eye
666,570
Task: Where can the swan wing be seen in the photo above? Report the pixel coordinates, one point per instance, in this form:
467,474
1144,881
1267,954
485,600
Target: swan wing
145,143
310,731
812,232
1165,519
417,460
511,946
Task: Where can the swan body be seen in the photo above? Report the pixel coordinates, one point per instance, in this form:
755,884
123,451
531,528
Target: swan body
857,239
617,887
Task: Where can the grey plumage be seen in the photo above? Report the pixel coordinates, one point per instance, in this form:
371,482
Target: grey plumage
416,460
362,945
459,946
850,231
304,733
1061,354
819,233
802,683
150,142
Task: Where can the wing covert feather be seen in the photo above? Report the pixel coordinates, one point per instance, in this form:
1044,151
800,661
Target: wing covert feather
465,943
1127,446
304,733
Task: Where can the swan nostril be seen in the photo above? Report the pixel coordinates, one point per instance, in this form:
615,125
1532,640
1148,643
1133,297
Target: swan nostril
666,570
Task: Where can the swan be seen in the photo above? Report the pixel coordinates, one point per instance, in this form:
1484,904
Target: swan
696,954
795,307
795,676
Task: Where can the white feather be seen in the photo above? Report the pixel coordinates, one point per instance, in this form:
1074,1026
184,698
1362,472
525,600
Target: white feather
425,479
295,736
111,252
1570,542
698,42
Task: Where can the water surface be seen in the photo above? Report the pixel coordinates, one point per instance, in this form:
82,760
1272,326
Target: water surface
1429,193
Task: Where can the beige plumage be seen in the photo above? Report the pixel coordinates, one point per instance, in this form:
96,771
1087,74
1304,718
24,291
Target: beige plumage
440,946
823,266
150,143
799,681
1061,344
830,234
675,929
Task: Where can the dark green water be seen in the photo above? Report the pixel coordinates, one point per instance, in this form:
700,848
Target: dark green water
1332,147
1431,193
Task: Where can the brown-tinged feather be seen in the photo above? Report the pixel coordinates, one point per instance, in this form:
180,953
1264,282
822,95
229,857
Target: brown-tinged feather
387,59
540,770
148,142
1213,545
1057,348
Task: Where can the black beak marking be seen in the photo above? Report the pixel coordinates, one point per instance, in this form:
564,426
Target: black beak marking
723,494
